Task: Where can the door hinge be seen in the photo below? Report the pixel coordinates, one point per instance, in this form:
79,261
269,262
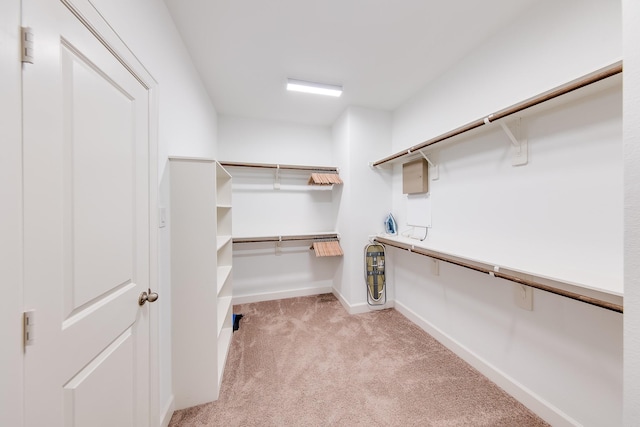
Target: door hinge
26,37
28,321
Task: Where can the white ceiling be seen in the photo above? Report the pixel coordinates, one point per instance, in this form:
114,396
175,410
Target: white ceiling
381,51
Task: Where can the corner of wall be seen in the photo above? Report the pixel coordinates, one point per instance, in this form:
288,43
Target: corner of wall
167,413
360,134
631,135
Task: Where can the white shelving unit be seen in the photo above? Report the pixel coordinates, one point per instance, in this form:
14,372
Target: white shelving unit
201,278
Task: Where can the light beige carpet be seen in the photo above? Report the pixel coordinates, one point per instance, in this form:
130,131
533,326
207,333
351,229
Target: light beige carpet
307,362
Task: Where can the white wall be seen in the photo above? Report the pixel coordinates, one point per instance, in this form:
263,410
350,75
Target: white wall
559,216
631,9
246,139
355,209
360,135
341,150
187,127
10,217
563,359
554,42
261,210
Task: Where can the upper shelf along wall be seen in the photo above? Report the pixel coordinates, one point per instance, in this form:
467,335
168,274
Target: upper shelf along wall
527,106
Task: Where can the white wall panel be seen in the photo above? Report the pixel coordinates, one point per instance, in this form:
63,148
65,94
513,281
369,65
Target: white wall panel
554,42
360,136
631,9
560,215
245,139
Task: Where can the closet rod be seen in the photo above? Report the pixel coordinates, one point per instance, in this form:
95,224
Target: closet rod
583,81
332,236
442,257
277,166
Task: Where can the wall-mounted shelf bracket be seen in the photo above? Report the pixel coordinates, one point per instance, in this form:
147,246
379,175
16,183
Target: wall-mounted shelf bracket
496,269
434,173
279,246
276,182
519,144
435,267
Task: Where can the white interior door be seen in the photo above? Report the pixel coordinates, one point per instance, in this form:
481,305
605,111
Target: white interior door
86,225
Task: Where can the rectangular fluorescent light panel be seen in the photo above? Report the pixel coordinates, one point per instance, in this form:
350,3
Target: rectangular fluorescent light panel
311,87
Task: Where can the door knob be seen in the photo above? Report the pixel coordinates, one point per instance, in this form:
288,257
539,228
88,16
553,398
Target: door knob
144,297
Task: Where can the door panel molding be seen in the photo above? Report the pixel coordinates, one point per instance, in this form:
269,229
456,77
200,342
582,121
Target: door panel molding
91,18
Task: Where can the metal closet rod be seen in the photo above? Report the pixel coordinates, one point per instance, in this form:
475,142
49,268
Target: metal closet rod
451,260
278,166
289,238
583,81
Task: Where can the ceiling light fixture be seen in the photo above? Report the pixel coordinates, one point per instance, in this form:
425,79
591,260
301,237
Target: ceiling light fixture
311,87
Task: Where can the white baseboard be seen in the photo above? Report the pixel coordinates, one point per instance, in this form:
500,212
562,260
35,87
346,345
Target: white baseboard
528,398
361,307
168,412
270,296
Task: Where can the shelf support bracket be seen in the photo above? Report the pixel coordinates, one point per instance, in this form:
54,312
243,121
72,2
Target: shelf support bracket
279,246
435,267
519,145
276,183
434,173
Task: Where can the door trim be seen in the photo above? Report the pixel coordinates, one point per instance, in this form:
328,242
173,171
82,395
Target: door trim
11,247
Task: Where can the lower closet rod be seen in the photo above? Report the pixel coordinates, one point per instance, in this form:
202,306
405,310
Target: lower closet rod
567,294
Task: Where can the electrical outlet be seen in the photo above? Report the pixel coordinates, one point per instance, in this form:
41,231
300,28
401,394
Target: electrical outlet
523,296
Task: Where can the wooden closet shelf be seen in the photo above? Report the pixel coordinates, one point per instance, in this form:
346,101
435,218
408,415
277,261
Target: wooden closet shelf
279,166
288,238
586,80
531,280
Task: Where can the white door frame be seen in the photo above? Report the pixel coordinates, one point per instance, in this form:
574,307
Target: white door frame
11,356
